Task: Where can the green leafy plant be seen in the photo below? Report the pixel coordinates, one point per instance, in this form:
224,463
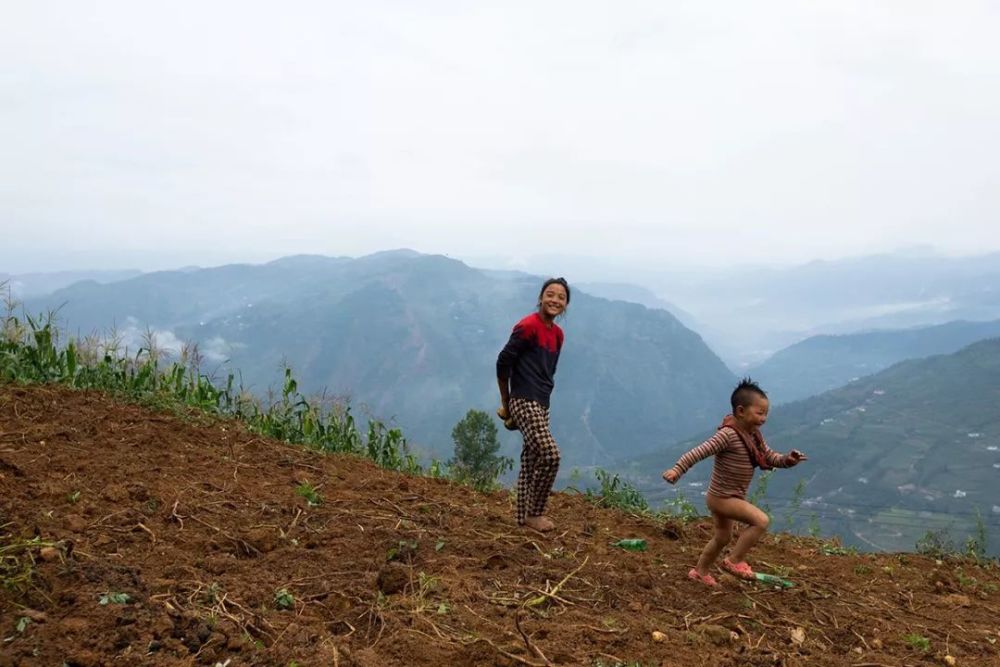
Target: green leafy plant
795,504
616,492
404,550
975,544
680,506
283,599
918,642
114,598
936,543
814,529
309,492
759,494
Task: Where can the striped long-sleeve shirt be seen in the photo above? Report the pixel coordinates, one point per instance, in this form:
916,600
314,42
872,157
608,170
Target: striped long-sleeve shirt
733,470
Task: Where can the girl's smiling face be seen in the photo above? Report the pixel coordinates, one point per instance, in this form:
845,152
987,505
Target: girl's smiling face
552,302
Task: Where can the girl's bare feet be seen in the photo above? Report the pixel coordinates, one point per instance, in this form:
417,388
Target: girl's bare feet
540,523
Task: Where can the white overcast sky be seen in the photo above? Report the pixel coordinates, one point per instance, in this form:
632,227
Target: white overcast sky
153,135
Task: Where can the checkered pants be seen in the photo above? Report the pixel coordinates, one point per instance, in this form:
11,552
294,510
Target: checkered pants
539,458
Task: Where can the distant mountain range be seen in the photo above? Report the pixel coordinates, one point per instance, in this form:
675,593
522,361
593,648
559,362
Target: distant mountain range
821,363
28,285
415,337
915,447
748,311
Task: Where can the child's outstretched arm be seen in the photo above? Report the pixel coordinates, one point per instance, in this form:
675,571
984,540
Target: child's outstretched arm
710,447
778,460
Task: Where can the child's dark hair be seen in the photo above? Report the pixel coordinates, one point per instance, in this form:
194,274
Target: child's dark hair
554,281
744,394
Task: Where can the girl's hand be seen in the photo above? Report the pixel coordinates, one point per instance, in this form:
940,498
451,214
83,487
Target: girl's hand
796,457
503,412
671,476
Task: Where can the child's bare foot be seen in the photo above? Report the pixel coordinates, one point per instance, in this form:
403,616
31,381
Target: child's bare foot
539,523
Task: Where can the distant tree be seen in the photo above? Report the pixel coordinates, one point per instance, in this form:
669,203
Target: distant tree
476,446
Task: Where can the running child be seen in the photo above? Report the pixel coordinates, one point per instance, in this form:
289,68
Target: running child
526,369
738,447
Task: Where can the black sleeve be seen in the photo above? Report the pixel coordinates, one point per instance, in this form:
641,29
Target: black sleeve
518,343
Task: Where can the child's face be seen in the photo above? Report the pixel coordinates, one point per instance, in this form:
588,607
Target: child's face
755,414
553,301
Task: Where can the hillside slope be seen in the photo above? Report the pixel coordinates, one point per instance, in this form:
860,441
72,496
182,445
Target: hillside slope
201,527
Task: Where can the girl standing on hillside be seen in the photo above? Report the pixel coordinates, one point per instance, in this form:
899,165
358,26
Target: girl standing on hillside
526,369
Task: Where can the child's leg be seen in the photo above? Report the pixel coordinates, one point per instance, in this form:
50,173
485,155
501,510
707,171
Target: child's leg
546,465
723,533
542,456
740,510
524,477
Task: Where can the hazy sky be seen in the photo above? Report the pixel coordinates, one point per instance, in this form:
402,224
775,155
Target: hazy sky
154,135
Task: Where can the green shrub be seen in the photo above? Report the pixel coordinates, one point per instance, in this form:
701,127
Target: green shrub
615,492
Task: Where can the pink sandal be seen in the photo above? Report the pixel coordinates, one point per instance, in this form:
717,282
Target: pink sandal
706,579
741,570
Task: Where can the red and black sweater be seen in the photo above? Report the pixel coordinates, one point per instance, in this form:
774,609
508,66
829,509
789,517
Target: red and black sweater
529,359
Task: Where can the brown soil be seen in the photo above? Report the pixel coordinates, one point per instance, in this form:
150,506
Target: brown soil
201,526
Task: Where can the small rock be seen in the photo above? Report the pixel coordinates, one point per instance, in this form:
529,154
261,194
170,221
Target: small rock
115,493
76,523
659,636
957,600
673,531
718,634
877,644
391,579
74,624
858,650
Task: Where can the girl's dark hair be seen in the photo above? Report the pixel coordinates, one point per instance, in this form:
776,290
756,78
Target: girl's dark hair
554,281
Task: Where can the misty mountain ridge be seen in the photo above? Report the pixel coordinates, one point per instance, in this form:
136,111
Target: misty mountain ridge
30,285
414,338
778,306
822,363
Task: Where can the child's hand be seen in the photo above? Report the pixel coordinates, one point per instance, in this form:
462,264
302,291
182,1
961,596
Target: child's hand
796,457
671,476
503,412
